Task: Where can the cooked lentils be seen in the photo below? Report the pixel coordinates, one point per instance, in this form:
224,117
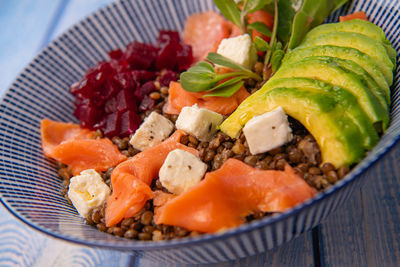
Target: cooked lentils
302,153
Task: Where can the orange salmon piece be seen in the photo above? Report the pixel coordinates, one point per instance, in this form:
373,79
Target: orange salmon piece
83,154
131,179
74,146
54,133
179,98
355,15
227,195
204,31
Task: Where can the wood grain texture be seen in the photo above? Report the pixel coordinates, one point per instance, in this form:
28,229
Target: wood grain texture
298,252
366,231
23,27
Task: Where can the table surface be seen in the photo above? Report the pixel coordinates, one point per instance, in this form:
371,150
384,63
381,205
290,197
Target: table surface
363,232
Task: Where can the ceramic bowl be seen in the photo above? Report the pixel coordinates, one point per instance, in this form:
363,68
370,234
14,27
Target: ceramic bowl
30,187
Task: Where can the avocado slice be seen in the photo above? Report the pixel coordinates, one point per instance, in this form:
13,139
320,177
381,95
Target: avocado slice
347,53
329,70
358,26
344,98
336,134
360,42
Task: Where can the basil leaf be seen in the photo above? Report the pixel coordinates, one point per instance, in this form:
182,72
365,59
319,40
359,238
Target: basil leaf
261,44
226,91
223,61
276,59
261,28
228,82
230,10
254,5
196,81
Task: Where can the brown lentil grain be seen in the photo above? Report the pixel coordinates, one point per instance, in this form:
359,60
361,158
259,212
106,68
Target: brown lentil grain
314,171
238,148
118,231
148,229
155,95
131,233
144,236
101,227
209,156
327,167
157,235
146,217
342,171
250,160
280,164
184,139
164,90
193,140
332,177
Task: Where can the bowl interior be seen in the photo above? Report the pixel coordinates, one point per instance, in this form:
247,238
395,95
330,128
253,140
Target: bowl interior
29,185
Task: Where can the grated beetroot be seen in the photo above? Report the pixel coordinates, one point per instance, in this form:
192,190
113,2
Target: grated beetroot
111,94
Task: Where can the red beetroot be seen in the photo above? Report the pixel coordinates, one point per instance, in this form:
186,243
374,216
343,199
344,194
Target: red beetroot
109,96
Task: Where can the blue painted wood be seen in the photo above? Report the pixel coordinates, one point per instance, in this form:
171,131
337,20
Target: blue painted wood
366,231
23,27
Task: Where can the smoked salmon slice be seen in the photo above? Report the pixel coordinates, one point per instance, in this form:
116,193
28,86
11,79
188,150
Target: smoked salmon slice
75,147
204,31
54,133
227,195
131,179
179,98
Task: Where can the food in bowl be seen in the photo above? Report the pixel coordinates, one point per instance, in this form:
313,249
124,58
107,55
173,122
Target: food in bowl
321,114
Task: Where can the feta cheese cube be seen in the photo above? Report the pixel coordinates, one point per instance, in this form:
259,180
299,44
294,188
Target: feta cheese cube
181,170
267,131
200,122
155,129
239,49
87,191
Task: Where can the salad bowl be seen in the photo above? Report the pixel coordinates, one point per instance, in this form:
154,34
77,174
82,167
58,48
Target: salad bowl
30,187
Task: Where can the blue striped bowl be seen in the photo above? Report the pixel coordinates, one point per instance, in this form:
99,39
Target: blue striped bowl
29,186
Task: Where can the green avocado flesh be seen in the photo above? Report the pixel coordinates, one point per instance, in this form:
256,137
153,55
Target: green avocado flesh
346,53
360,42
357,26
319,112
346,100
328,70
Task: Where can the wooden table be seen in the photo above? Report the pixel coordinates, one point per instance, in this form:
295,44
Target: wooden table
364,232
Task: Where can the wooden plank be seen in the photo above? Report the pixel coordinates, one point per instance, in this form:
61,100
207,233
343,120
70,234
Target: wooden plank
24,24
366,231
298,252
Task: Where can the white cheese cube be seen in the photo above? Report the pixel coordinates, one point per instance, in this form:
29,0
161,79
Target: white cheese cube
155,129
87,191
200,122
267,131
239,49
181,170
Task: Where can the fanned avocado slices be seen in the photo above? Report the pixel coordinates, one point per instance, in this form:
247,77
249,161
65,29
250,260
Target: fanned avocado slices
360,42
347,53
336,134
357,26
330,71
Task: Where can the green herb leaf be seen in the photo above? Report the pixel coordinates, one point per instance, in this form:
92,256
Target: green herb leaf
226,91
276,59
338,4
202,67
197,81
230,10
261,28
261,44
223,61
228,82
254,5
